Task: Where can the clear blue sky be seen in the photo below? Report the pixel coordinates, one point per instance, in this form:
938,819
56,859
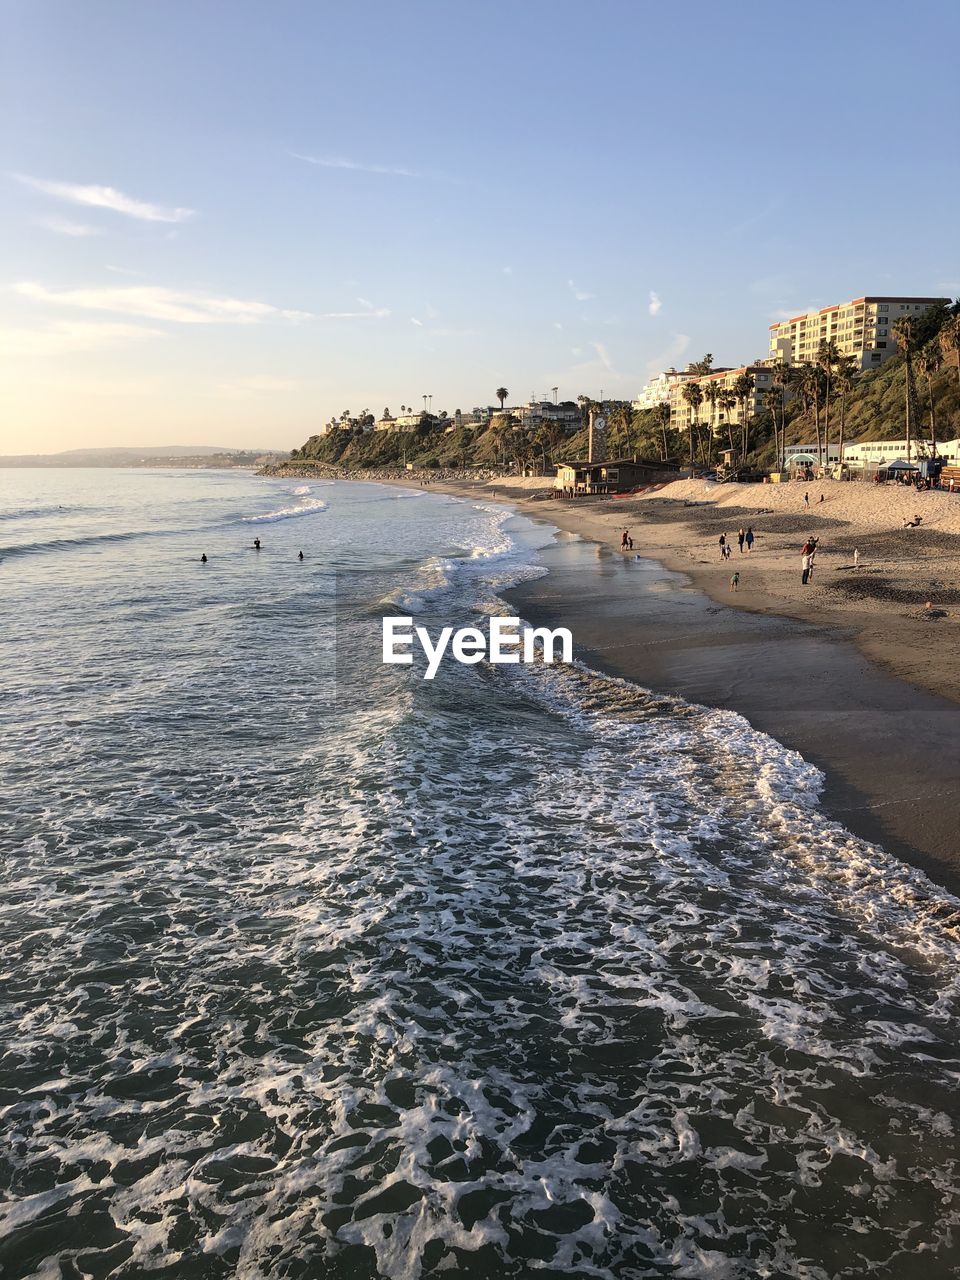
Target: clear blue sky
535,193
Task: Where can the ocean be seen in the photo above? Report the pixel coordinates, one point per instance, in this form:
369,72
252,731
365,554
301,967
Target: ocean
310,967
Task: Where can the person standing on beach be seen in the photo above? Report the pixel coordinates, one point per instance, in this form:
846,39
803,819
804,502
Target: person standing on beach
723,544
625,540
805,566
734,582
740,537
806,499
748,538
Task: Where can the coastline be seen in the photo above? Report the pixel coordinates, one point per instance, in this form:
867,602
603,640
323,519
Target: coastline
849,688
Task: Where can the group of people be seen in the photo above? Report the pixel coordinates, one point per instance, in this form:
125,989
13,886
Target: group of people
745,537
626,542
256,547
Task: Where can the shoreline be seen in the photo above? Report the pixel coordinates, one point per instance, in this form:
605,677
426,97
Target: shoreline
846,688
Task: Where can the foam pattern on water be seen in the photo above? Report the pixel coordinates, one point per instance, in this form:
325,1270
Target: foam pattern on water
522,972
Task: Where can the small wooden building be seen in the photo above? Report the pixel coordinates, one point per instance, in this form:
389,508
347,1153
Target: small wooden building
620,476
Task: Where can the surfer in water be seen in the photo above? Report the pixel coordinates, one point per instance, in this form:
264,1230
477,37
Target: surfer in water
300,556
256,544
203,558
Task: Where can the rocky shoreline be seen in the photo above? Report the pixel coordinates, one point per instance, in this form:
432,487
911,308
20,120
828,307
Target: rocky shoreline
428,475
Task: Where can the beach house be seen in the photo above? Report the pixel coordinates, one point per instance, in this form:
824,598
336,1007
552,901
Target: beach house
616,476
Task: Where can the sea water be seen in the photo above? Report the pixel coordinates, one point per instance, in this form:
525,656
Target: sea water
312,968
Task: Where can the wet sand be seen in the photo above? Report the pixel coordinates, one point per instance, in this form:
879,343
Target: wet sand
889,750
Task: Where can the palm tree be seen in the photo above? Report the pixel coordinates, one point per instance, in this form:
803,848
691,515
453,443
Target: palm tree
929,362
810,383
727,401
772,401
712,393
700,367
501,393
904,334
784,377
843,380
828,353
950,339
743,389
663,418
693,394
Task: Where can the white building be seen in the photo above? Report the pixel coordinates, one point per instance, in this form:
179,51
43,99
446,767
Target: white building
878,453
657,390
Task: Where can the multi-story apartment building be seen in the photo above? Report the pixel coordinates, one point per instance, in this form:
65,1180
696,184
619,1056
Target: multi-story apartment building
724,380
657,390
861,328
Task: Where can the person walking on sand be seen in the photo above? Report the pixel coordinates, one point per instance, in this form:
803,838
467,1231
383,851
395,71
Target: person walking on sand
624,540
723,543
856,557
805,561
740,537
806,499
734,581
748,538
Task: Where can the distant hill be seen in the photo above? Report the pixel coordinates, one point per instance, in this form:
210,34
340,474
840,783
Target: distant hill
205,455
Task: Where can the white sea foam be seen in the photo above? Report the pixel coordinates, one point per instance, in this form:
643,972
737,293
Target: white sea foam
526,969
309,507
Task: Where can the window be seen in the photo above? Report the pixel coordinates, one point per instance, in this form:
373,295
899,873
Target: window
881,333
874,357
881,344
884,307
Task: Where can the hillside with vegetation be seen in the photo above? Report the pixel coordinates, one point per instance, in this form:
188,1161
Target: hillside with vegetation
915,393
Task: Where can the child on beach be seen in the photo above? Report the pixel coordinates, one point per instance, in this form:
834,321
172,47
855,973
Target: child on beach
734,581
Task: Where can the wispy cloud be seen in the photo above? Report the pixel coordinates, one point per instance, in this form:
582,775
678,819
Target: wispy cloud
97,197
418,323
557,324
603,355
578,293
671,355
507,271
64,227
123,271
67,336
155,303
655,303
357,166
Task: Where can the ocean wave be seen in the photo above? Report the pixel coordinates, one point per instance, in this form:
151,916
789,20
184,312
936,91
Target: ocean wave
310,508
37,513
54,545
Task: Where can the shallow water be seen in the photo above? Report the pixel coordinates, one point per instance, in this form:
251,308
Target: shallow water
313,968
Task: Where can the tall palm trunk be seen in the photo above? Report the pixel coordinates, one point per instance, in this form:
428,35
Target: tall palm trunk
843,410
826,420
907,383
816,412
933,417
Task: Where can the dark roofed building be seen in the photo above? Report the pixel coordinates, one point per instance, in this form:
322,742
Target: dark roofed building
619,476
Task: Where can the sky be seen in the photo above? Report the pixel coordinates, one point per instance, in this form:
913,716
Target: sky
224,221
